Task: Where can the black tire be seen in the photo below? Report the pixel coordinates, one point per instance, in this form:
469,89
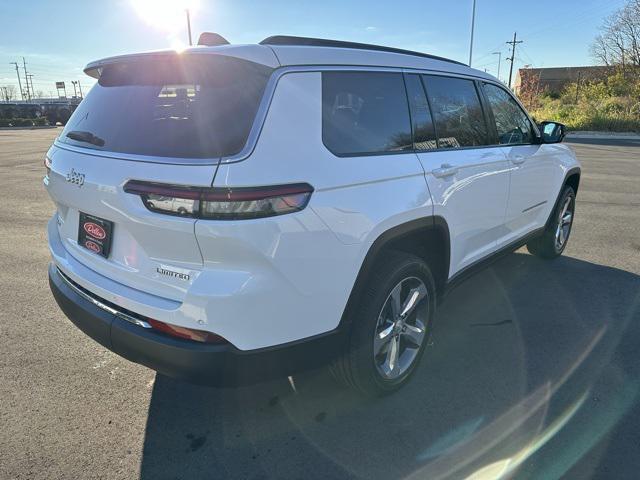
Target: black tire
356,367
546,245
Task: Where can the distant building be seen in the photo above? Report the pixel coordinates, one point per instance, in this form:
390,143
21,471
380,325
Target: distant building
554,80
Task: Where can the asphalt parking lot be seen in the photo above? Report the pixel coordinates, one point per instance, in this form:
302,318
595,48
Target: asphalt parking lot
533,366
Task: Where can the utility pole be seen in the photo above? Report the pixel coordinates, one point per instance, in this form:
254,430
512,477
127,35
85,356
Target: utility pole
75,94
189,27
30,79
499,61
24,65
80,88
513,54
19,82
473,25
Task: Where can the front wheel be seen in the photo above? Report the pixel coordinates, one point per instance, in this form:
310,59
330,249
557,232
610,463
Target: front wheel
391,326
554,239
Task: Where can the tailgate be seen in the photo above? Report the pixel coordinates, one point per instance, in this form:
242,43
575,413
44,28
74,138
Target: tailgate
145,246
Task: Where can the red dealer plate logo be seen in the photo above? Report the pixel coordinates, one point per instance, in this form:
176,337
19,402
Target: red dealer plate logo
94,234
95,230
93,246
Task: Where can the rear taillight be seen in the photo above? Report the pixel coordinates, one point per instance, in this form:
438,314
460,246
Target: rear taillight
186,333
47,165
222,203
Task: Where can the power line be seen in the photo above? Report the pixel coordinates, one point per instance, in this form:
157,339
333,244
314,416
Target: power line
527,56
579,18
575,20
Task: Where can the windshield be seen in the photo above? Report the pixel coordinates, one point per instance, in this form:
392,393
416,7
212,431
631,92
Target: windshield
192,106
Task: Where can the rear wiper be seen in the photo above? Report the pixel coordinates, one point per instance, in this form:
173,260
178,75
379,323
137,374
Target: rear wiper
86,137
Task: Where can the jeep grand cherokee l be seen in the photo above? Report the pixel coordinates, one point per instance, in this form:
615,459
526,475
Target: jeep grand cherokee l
233,212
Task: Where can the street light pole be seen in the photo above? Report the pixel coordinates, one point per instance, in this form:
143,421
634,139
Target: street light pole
473,25
499,61
189,27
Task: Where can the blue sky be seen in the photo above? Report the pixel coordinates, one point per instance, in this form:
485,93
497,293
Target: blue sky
58,38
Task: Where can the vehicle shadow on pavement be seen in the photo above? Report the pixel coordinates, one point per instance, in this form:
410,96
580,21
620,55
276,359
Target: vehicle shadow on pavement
527,358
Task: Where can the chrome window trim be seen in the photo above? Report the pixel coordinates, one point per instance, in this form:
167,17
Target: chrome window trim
95,301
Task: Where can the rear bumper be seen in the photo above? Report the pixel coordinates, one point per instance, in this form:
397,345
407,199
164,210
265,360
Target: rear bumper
222,365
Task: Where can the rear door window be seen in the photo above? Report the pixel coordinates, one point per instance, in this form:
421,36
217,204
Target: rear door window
365,113
512,124
181,106
457,112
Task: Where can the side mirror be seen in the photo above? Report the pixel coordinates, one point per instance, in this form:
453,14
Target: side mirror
552,132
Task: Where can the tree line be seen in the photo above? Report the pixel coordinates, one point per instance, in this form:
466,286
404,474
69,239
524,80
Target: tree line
618,43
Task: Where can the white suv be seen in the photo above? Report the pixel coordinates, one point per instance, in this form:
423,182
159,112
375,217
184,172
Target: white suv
231,213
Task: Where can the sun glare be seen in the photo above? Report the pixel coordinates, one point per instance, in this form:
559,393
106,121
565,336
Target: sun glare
177,44
166,15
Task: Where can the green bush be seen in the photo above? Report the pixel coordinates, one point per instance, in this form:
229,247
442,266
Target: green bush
612,105
551,95
21,122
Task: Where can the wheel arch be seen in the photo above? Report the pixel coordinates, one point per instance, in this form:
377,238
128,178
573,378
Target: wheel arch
427,238
572,179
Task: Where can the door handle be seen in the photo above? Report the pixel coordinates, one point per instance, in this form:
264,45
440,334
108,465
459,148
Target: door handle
445,170
518,159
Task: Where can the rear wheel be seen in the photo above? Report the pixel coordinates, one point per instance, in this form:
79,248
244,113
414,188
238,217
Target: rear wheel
554,239
391,326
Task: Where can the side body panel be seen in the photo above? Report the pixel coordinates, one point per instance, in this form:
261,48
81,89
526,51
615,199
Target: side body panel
537,174
472,200
298,275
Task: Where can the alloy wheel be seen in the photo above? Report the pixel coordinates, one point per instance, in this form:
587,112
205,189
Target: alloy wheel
401,328
563,226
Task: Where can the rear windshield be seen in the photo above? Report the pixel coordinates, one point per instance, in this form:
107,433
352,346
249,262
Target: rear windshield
189,106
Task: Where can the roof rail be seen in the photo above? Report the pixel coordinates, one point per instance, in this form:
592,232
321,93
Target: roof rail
321,42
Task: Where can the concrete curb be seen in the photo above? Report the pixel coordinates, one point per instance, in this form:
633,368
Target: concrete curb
605,135
39,127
